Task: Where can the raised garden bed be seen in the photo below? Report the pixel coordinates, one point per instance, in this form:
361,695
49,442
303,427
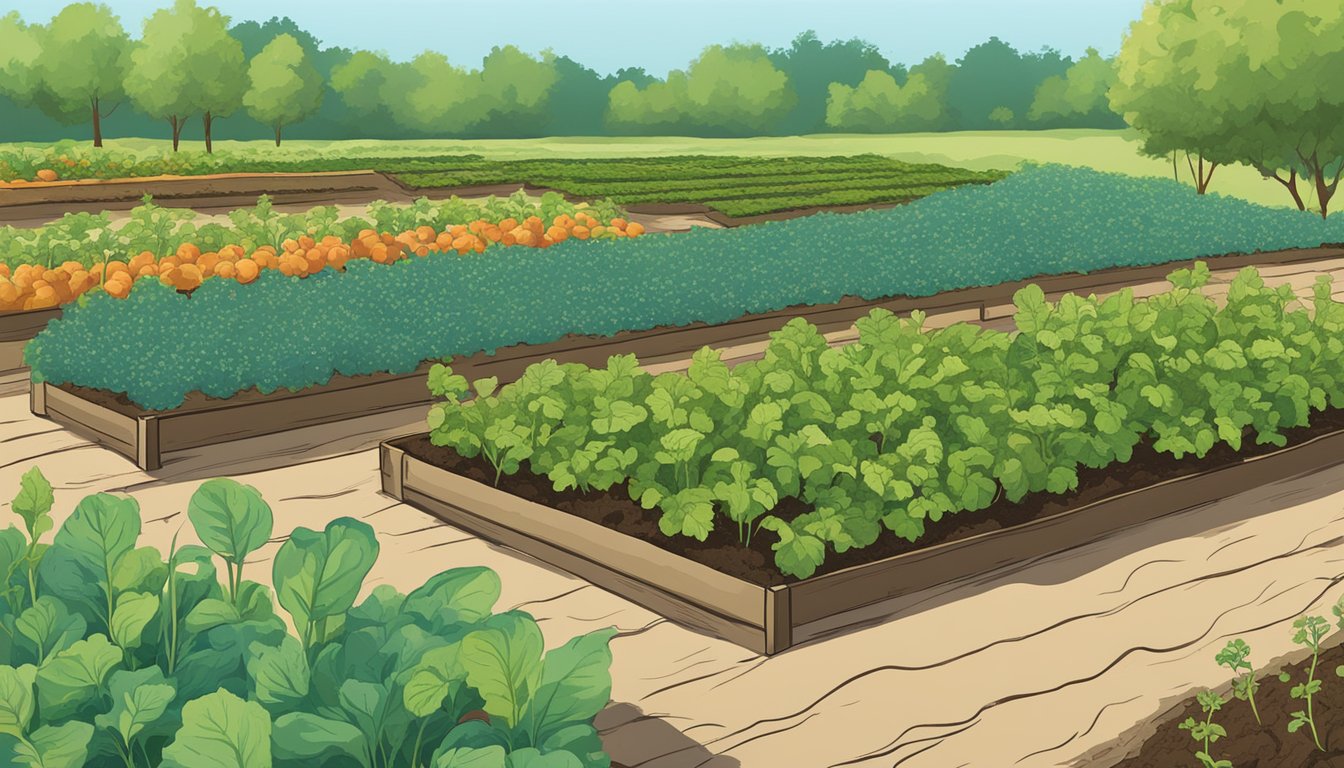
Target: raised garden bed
145,435
15,331
731,592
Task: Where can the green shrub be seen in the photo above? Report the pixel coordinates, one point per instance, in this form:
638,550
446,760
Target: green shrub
112,656
157,345
907,426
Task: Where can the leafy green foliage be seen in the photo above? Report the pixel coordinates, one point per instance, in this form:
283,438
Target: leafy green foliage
1207,732
380,318
123,658
907,426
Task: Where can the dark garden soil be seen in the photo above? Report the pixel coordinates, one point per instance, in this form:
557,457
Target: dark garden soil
721,551
1249,744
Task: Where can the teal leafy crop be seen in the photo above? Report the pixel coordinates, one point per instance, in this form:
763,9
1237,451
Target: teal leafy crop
112,656
157,345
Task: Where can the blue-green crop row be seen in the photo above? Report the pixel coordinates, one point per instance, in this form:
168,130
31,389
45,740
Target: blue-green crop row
158,345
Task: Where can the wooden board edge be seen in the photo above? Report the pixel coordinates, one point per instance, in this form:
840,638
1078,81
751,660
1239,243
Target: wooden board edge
824,598
778,619
37,398
634,558
653,596
117,431
391,469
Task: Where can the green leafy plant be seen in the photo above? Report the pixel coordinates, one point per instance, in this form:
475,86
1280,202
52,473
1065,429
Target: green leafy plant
906,426
1309,631
120,657
1236,657
1207,732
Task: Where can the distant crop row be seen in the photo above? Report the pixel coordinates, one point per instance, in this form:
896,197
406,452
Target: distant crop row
392,318
734,185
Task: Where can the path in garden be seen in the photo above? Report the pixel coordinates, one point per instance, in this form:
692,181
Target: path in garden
1040,666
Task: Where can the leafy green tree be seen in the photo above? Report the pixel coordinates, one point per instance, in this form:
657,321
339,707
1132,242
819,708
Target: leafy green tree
19,50
216,66
880,105
577,99
1078,97
813,67
186,62
81,66
728,91
994,74
359,82
283,86
1165,87
1240,81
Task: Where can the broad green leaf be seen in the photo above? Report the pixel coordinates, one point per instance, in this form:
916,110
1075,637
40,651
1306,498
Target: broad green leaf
81,565
63,746
34,502
16,699
306,736
688,513
465,595
210,613
795,555
575,684
533,758
230,518
49,627
433,679
502,662
280,675
317,575
134,612
76,677
220,730
470,757
139,699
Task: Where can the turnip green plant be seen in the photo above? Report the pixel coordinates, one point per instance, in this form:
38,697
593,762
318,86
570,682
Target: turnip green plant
1236,657
1207,732
111,655
906,426
1309,632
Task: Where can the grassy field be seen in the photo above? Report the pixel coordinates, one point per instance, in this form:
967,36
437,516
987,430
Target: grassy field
1115,151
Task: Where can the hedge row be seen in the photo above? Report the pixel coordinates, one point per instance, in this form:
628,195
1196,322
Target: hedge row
157,346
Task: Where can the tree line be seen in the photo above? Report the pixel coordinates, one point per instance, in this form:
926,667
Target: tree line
190,67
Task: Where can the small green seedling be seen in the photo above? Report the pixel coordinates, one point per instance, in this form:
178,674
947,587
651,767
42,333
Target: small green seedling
1207,732
1310,630
1236,657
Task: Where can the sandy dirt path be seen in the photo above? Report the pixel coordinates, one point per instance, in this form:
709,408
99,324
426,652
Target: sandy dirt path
1053,662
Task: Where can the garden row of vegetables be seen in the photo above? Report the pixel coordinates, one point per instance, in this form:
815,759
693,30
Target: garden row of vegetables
736,186
49,266
374,319
113,655
905,426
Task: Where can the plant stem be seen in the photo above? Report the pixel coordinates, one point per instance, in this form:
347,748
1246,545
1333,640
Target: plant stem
1315,656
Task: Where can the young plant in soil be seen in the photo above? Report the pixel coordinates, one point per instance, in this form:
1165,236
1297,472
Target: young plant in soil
1236,657
1310,630
1207,732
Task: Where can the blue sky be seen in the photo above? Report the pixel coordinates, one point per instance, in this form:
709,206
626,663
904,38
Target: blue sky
666,34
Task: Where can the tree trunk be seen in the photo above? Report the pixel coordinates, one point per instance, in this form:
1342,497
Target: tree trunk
1324,191
207,120
97,123
176,122
278,126
1290,184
